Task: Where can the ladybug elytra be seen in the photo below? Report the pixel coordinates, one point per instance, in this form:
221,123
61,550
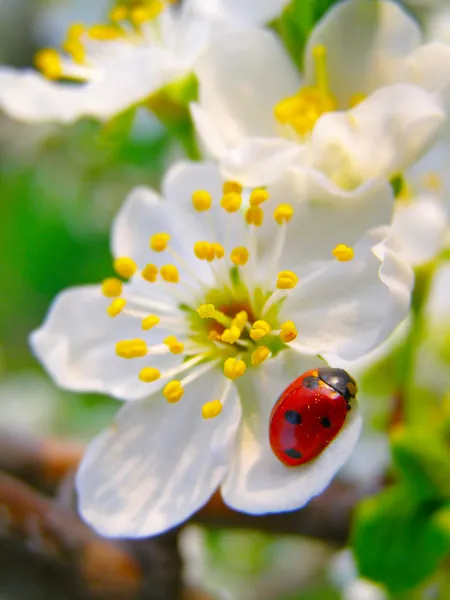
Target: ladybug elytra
309,414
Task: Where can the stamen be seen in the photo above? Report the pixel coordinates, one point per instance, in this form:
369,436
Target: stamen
343,253
260,355
283,213
319,53
287,280
288,332
234,368
231,335
231,202
150,273
149,374
254,216
173,391
118,13
207,251
219,250
116,307
174,345
136,348
170,273
104,33
209,311
159,241
111,287
258,196
433,181
239,256
201,200
260,329
125,267
357,99
48,61
73,45
230,187
212,409
240,320
150,322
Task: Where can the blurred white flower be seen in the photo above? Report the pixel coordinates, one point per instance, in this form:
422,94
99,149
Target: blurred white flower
343,573
259,285
255,113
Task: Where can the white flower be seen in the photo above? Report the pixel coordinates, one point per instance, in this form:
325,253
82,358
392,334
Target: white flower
255,112
247,12
294,275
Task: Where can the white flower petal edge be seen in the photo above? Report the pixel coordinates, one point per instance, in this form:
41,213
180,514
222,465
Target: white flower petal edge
76,344
157,464
248,13
258,482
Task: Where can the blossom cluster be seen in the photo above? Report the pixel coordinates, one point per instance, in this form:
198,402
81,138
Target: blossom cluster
290,246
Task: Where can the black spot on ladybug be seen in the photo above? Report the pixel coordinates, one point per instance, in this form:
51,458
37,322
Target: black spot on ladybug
311,383
340,381
325,422
293,453
293,417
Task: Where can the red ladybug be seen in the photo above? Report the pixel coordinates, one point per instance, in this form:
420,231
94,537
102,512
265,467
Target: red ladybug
309,414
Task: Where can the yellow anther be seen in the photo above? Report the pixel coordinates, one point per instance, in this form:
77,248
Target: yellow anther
288,332
170,273
343,253
357,99
48,61
201,250
104,33
254,216
286,280
258,196
232,187
150,273
303,110
260,355
433,181
159,241
73,44
173,391
149,322
149,374
116,307
125,267
219,250
141,14
174,345
234,368
231,335
118,13
201,200
112,287
231,202
131,348
260,329
240,320
283,213
212,409
213,336
206,311
239,256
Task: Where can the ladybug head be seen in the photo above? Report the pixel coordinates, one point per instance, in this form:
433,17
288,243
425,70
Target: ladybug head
339,380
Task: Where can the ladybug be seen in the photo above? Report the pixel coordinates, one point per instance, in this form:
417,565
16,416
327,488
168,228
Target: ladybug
309,414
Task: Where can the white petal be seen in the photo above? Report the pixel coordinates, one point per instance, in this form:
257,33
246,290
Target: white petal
349,308
250,12
76,343
381,32
258,482
382,136
429,67
158,463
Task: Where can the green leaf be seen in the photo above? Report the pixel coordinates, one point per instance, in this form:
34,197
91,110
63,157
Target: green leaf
398,542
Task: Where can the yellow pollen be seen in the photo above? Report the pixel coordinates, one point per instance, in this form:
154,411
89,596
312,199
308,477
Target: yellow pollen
343,253
125,267
149,374
254,216
170,273
433,181
258,196
149,322
240,320
287,280
260,329
173,391
288,332
212,409
231,202
219,250
239,256
357,99
234,368
213,336
104,33
206,311
48,61
118,13
201,200
260,355
231,187
231,335
283,213
73,44
159,241
174,345
116,307
111,287
141,14
131,348
150,273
